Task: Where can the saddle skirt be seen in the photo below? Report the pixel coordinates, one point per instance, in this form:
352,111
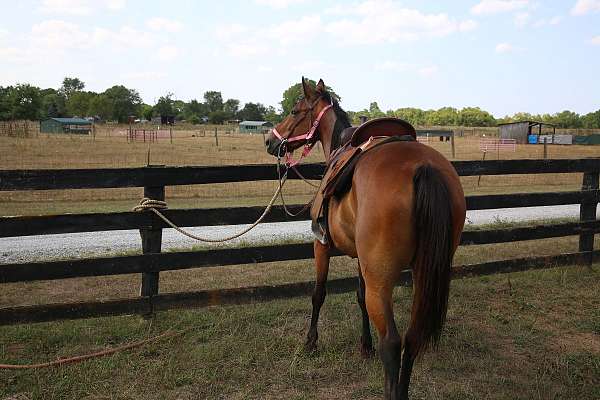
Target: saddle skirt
340,169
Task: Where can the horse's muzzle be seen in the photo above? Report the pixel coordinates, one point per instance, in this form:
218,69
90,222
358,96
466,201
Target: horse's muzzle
274,146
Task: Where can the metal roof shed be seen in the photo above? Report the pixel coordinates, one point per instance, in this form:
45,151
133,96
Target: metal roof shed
255,126
522,129
66,125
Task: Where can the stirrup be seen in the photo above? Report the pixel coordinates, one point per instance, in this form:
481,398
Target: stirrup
318,230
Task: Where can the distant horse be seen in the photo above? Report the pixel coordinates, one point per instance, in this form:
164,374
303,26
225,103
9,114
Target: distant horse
405,208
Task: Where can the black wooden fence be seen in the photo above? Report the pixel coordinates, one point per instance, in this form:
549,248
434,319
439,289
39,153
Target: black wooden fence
152,261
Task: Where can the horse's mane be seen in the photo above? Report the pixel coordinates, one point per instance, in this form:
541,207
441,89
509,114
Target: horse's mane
342,120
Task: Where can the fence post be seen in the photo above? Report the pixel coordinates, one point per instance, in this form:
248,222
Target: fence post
587,212
452,143
151,243
216,137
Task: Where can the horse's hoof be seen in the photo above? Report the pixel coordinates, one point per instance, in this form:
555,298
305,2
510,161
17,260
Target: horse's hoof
366,352
310,346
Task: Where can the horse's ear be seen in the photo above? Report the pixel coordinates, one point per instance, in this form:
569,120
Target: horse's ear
320,86
307,89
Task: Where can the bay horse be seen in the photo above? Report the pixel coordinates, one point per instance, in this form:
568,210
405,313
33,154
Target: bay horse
405,209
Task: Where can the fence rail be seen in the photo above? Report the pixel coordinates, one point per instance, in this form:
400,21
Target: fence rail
152,262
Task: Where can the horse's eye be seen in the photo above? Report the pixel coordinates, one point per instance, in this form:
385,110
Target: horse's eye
294,112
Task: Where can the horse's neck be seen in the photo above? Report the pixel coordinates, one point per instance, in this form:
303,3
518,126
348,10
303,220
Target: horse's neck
327,128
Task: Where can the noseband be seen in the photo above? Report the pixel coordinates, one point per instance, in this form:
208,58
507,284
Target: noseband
308,136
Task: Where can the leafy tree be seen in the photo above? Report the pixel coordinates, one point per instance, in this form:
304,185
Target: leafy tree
445,116
217,117
101,106
415,116
147,111
214,101
71,85
78,103
567,119
125,102
474,116
294,92
25,102
5,106
164,106
53,104
272,115
195,109
375,111
178,108
591,120
252,112
231,107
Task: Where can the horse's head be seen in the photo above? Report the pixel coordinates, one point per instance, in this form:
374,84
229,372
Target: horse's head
300,128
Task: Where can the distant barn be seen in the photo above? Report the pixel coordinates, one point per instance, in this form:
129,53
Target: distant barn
78,126
522,129
255,126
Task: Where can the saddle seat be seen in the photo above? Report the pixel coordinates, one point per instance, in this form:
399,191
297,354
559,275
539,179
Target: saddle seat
340,169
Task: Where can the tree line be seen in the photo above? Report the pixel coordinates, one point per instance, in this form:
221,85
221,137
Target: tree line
474,116
118,103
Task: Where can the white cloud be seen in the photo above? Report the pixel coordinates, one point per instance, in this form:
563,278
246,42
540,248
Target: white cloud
468,25
168,53
488,7
521,19
429,71
243,41
278,3
504,48
595,40
59,35
299,31
164,24
583,7
384,21
79,7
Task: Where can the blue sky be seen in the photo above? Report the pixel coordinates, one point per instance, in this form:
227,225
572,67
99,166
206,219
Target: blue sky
504,56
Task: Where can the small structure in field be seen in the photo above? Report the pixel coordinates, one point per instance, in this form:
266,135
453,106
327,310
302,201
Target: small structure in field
77,126
255,126
521,130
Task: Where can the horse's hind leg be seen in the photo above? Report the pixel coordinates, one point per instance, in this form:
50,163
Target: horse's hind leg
366,341
408,358
318,297
379,306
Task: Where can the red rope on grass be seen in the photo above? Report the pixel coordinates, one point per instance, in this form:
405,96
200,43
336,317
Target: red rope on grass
76,359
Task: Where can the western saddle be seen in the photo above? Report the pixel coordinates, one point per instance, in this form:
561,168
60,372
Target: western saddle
337,180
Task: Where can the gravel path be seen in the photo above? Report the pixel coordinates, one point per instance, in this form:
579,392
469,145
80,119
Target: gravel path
38,248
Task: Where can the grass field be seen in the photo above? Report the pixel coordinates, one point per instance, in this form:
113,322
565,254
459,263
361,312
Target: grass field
530,335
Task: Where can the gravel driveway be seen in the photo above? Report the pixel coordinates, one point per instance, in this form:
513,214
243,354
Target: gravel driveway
38,248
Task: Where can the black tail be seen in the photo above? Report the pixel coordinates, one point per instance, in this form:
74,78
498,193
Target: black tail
433,257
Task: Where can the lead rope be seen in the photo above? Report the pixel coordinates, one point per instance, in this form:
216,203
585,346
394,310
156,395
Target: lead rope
155,205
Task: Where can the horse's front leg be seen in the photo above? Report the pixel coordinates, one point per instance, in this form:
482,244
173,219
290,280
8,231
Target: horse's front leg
318,297
366,341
